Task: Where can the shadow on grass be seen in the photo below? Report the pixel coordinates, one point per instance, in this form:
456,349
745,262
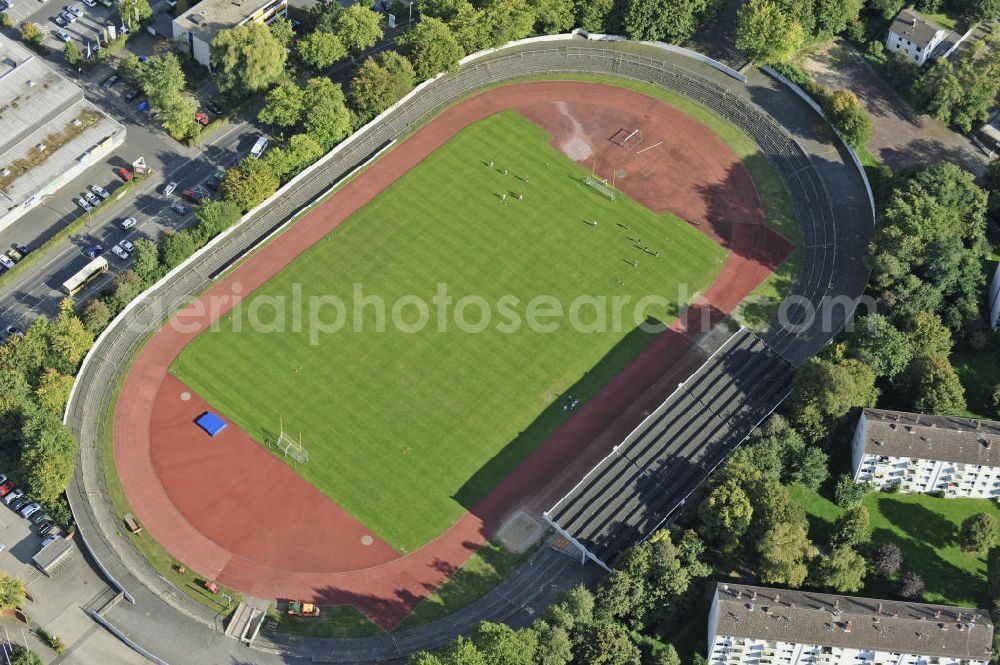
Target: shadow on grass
501,464
943,582
918,522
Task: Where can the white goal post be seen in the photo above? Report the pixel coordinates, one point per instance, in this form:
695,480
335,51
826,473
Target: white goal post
289,447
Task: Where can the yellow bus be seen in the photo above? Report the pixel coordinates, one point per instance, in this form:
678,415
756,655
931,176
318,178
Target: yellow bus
87,274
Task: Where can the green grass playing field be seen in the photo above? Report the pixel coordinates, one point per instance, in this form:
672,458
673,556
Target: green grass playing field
407,429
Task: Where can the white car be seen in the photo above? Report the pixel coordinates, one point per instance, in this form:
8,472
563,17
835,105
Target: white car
119,252
13,495
169,189
128,247
5,260
63,35
100,191
90,3
90,196
128,223
30,509
83,204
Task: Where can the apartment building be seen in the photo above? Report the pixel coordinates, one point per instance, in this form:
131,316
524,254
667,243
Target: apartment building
959,457
914,36
751,625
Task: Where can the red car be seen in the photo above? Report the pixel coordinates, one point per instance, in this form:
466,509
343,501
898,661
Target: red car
125,174
6,488
193,197
201,118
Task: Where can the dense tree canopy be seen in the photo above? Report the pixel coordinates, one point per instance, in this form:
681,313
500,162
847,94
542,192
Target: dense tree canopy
432,48
380,81
319,49
247,58
358,27
767,33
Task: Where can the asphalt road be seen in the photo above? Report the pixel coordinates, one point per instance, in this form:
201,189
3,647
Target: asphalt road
36,289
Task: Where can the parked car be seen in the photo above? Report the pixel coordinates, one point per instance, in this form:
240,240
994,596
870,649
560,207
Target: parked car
178,207
92,198
21,248
130,94
143,105
119,252
83,204
111,80
5,260
46,528
128,223
30,509
90,3
201,118
169,188
49,540
3,479
60,21
19,502
92,252
194,197
69,17
127,245
6,488
215,181
14,255
13,496
39,517
100,191
63,35
125,174
14,331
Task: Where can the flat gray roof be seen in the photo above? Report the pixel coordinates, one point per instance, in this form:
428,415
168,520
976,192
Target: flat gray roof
913,26
804,617
208,17
945,438
38,107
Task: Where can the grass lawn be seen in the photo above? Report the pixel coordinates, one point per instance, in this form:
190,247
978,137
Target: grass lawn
979,372
333,621
946,21
489,566
925,529
406,430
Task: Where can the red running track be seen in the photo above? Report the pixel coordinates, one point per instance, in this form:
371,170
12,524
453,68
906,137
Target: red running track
233,512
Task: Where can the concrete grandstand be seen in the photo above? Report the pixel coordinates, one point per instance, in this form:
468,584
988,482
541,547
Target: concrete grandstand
49,133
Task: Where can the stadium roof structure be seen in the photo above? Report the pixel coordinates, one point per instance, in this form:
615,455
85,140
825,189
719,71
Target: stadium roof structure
48,131
805,617
945,438
211,423
632,491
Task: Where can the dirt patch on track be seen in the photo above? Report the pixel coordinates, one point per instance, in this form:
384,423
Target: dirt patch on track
231,511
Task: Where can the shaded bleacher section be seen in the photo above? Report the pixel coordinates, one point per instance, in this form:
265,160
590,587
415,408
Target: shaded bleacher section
635,488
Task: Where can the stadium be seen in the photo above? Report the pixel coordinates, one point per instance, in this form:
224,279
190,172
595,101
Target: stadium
363,468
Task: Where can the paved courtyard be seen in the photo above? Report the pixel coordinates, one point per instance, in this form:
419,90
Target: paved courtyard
900,135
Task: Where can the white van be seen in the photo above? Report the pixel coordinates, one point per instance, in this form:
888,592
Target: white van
259,147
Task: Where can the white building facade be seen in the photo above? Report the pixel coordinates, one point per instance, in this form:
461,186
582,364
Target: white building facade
957,457
763,626
914,36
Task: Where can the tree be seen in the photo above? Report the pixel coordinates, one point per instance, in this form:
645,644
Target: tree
843,571
607,644
72,55
825,390
432,48
469,29
783,553
126,285
554,644
833,16
323,16
878,344
22,656
11,591
809,468
576,609
926,332
591,15
176,247
995,400
146,264
853,528
553,16
766,33
500,643
31,34
978,533
247,58
380,81
214,217
327,119
673,21
725,515
96,315
358,28
911,586
160,77
68,339
319,50
249,184
983,10
53,391
176,114
284,105
887,559
134,13
507,20
442,9
48,456
933,386
282,30
850,119
668,656
848,493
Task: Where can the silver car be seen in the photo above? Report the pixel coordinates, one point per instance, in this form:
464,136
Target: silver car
90,196
100,191
84,204
119,252
13,496
30,509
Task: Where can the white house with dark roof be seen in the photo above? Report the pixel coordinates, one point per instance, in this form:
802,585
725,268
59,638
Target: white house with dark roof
915,36
959,457
751,625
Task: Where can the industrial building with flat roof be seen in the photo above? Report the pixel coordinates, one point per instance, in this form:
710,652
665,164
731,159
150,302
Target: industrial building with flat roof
198,26
751,624
49,134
